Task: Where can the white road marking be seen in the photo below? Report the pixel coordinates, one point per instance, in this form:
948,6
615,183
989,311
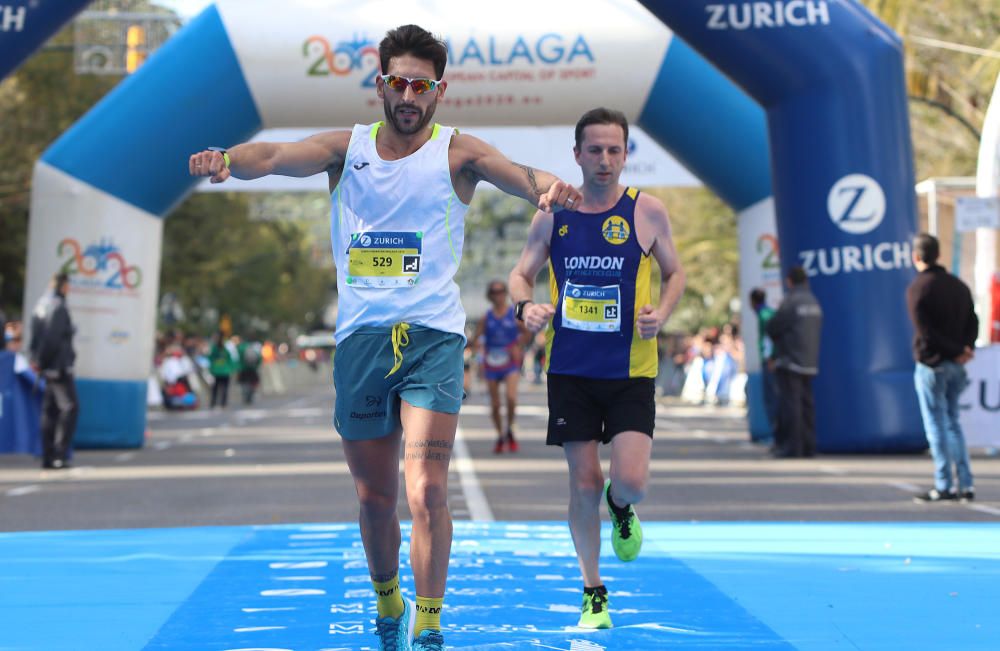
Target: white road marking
293,409
23,490
293,592
303,565
984,509
475,499
522,410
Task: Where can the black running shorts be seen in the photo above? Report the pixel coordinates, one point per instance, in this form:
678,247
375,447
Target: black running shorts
585,409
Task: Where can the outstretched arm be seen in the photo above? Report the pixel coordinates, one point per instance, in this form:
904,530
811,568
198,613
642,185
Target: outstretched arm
483,162
522,277
319,153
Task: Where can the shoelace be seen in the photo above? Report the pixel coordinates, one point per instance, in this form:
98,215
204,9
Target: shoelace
597,601
624,525
431,641
387,630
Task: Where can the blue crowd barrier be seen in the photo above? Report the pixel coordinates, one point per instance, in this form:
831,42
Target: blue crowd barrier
20,409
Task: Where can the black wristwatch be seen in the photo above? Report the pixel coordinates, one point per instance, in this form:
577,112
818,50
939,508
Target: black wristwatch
519,310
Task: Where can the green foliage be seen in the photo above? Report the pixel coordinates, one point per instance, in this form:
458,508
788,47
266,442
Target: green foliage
215,260
949,90
38,103
263,274
705,235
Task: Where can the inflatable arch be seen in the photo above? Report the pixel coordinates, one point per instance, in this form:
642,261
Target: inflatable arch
807,121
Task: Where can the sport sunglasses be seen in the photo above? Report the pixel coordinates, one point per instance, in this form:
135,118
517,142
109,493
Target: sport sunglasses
399,84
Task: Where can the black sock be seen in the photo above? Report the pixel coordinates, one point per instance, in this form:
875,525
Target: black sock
597,589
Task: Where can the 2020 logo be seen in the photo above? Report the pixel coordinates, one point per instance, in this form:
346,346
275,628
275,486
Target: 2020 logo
99,265
361,53
767,245
342,59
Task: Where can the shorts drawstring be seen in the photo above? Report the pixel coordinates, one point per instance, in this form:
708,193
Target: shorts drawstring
400,339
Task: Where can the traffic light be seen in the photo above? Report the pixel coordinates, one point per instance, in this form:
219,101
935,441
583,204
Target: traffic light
135,51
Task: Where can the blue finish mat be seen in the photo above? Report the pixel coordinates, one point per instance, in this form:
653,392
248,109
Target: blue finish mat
512,586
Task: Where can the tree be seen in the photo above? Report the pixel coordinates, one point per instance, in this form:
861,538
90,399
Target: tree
950,76
215,259
263,274
37,104
705,235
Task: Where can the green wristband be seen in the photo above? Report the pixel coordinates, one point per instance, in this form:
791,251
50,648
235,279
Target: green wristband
225,154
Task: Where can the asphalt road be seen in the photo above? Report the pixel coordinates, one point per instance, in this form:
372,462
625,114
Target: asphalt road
280,461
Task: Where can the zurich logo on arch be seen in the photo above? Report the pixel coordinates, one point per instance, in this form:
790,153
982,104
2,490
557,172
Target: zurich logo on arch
856,204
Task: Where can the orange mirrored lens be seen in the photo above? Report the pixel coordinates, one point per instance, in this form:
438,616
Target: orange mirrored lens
421,86
399,84
394,82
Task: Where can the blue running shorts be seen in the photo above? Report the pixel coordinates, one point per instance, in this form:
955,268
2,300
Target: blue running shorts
430,376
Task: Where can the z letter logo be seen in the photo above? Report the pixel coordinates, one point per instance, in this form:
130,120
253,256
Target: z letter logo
856,204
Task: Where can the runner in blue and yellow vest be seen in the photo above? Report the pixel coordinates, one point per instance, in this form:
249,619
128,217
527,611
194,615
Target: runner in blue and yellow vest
601,340
400,189
598,276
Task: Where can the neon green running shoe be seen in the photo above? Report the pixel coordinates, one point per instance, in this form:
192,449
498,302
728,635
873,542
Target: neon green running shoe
626,533
595,610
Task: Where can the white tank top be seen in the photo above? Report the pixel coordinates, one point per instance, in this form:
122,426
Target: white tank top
397,230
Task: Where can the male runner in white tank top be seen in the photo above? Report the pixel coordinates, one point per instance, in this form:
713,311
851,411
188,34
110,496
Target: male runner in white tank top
399,190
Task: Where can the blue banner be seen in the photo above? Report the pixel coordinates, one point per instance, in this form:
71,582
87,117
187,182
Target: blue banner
20,408
26,24
830,78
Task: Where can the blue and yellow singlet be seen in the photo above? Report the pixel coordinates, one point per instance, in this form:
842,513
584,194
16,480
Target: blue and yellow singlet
599,277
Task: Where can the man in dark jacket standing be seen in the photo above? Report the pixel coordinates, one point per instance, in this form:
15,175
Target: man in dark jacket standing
794,329
945,327
52,355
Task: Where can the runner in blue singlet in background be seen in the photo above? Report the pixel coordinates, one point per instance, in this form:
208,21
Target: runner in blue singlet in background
501,339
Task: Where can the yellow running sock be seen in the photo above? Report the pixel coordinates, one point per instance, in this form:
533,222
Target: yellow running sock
428,614
390,602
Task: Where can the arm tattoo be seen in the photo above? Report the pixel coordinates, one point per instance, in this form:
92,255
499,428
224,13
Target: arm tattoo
531,178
